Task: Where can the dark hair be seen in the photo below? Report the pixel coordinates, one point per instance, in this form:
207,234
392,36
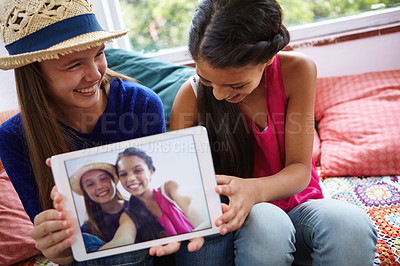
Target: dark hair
233,33
96,221
148,227
135,152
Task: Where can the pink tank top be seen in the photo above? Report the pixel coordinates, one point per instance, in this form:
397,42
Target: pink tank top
172,219
269,145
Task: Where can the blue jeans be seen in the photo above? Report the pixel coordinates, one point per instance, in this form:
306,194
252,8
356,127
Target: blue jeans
317,232
139,257
217,251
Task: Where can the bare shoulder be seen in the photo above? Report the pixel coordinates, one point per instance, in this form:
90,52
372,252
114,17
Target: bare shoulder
297,68
292,60
184,109
170,187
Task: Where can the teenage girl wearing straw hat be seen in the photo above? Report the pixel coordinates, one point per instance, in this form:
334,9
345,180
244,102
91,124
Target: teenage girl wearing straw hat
96,182
69,100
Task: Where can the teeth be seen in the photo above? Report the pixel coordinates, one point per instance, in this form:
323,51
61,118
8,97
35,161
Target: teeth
102,194
91,89
136,186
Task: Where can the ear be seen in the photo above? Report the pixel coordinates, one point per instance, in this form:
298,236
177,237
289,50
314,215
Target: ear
151,174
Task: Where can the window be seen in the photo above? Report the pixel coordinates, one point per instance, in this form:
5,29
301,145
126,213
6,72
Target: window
159,27
157,24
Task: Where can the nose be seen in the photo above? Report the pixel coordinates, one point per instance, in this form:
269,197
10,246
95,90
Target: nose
93,72
131,177
221,92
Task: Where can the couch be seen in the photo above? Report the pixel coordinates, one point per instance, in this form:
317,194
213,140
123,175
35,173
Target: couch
356,149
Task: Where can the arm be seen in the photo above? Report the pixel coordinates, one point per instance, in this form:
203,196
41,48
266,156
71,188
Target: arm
299,79
126,233
15,158
186,203
184,110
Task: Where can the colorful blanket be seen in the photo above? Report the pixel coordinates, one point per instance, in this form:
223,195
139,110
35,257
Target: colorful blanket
380,198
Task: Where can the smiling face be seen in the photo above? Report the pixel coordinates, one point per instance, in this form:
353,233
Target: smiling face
231,84
73,80
134,174
98,185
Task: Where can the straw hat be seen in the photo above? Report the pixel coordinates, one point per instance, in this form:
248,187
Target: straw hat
36,30
75,179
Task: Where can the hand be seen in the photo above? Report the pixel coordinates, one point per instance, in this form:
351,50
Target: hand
52,232
194,245
240,192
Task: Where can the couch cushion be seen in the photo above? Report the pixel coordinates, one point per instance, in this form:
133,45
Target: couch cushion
358,122
163,77
16,244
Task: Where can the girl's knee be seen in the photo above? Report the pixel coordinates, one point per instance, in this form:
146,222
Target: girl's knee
267,223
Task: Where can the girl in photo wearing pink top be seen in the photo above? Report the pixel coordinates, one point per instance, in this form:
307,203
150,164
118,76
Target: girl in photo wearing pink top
257,102
151,213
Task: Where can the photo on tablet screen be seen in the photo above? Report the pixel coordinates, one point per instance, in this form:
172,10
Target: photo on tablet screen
138,192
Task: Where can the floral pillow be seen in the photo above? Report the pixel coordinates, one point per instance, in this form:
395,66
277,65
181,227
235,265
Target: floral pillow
16,243
358,120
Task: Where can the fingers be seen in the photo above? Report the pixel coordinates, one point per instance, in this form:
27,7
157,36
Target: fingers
224,207
54,244
223,179
195,244
52,234
165,250
47,215
231,220
48,162
50,223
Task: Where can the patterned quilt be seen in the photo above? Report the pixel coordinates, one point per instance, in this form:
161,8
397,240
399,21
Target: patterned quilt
380,198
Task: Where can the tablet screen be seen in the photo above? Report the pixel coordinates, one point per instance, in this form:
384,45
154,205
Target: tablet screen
136,194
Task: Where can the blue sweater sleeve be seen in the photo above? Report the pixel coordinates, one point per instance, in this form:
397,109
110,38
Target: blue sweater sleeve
14,156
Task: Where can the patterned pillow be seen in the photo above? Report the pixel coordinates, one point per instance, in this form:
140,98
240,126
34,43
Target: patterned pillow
358,122
16,243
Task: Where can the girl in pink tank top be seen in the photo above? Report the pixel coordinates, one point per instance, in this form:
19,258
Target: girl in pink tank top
257,103
151,213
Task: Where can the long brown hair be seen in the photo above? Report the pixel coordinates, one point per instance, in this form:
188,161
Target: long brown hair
44,135
233,33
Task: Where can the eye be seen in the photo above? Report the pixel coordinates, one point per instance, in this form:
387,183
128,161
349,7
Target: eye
122,174
74,66
88,185
138,171
237,88
205,82
100,53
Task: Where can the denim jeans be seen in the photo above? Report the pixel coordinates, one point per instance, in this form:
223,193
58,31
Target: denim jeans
317,232
217,251
139,257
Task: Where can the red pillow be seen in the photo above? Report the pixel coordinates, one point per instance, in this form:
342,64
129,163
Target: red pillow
16,244
359,124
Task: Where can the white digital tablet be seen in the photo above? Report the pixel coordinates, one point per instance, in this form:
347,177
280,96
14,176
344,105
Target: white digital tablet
138,193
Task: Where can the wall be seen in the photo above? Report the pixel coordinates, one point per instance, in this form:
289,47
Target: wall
367,50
